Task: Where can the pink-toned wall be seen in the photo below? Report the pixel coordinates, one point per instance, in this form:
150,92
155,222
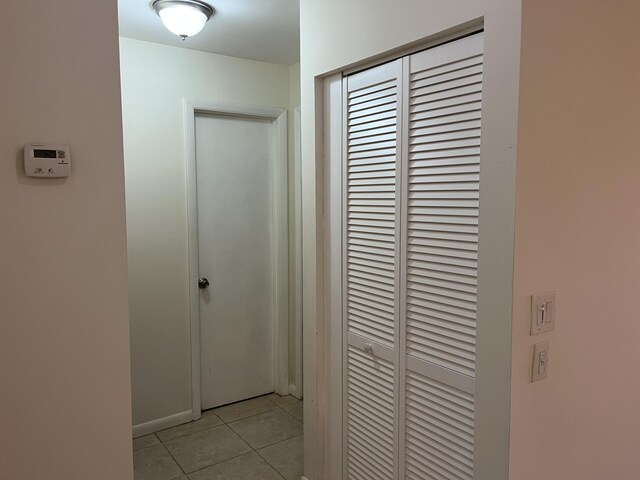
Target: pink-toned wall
65,404
578,233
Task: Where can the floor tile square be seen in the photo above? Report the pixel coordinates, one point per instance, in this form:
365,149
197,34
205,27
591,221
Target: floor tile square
285,457
144,442
283,401
154,463
296,410
267,428
201,449
245,467
247,408
208,420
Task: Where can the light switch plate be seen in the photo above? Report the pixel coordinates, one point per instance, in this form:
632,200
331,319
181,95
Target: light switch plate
540,361
543,312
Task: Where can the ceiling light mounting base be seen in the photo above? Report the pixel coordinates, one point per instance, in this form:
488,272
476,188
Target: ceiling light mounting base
197,4
184,18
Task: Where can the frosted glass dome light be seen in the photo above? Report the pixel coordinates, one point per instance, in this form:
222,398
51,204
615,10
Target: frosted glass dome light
184,18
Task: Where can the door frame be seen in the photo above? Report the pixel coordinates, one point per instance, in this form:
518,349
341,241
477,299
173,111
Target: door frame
296,385
324,440
280,233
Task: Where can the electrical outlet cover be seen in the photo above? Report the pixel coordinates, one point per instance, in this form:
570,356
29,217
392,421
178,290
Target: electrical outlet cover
540,365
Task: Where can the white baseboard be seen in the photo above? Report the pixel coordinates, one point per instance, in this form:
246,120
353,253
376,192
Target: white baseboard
161,423
284,391
295,391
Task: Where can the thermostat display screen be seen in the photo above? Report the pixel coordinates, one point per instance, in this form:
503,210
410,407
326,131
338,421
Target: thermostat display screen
45,153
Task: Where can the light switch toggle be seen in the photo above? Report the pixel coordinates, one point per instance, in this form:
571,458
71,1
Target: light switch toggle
543,312
540,361
542,307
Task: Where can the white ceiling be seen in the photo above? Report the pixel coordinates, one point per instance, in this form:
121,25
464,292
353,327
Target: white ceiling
265,30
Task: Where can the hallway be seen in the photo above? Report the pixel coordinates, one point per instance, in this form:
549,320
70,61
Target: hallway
257,439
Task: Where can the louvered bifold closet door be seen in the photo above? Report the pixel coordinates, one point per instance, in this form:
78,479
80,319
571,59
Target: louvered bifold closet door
439,267
371,277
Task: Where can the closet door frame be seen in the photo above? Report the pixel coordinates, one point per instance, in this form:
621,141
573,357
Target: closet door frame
497,190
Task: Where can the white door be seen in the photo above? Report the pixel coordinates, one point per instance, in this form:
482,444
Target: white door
234,157
371,277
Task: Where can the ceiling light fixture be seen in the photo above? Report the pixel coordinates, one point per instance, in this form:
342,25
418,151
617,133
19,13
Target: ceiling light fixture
185,18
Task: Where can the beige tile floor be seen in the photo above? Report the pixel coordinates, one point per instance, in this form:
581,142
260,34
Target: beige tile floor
258,439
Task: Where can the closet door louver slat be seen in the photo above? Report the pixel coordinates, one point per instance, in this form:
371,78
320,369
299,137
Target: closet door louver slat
454,204
370,249
439,270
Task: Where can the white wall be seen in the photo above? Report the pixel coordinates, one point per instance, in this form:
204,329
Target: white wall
578,233
155,80
64,335
336,34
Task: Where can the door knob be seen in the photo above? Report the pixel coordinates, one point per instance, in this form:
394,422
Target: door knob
203,282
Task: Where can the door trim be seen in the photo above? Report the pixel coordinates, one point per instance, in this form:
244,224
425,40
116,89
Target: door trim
296,386
280,236
323,448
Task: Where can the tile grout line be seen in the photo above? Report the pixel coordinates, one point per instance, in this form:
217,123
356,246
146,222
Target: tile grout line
280,441
286,411
174,459
218,463
215,463
212,410
276,406
268,445
191,433
148,446
227,424
267,460
272,466
249,416
276,443
209,428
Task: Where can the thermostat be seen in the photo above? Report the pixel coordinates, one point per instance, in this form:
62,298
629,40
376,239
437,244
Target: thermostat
50,161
